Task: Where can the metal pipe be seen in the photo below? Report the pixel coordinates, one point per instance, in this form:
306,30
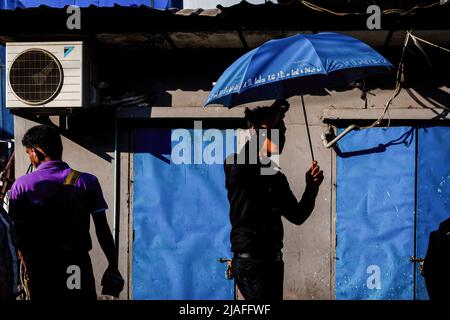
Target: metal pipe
328,144
116,221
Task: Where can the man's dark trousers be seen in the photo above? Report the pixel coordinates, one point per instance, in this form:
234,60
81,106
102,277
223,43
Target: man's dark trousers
259,278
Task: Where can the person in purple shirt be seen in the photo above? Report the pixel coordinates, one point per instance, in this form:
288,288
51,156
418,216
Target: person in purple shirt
51,209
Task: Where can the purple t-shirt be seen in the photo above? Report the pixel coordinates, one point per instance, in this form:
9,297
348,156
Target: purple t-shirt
34,187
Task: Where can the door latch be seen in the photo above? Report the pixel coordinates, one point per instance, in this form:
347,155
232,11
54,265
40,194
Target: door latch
420,261
228,273
414,259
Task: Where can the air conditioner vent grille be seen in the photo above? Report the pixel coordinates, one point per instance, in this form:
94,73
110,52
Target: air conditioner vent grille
36,76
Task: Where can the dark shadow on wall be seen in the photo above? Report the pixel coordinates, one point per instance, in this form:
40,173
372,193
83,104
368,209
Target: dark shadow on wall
407,138
148,76
425,74
151,75
94,131
156,141
435,97
154,73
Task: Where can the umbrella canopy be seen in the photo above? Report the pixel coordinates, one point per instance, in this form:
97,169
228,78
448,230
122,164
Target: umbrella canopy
300,64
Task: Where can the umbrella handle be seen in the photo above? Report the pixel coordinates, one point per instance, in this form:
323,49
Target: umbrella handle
307,129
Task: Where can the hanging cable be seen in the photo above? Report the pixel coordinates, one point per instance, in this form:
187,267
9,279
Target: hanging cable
401,12
398,86
320,9
400,77
397,89
400,69
421,7
428,42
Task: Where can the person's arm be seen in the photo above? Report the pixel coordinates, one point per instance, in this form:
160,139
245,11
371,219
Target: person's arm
97,206
105,240
112,281
299,212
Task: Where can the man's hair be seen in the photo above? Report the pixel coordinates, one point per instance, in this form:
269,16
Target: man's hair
45,137
255,117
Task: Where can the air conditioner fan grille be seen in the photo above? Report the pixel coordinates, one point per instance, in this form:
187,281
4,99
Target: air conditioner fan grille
36,76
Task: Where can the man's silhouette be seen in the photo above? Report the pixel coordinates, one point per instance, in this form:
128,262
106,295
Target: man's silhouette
258,200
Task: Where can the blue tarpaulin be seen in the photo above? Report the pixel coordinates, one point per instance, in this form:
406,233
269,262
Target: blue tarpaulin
383,216
181,223
375,214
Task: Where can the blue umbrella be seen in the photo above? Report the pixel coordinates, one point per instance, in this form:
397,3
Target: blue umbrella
297,65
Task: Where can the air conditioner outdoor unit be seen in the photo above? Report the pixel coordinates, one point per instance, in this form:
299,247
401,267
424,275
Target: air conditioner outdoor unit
49,75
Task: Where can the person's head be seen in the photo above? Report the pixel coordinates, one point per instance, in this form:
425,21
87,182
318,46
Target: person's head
269,117
42,143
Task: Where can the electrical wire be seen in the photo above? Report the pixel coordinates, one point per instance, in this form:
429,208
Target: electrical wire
401,12
400,77
421,7
428,42
397,89
321,9
400,69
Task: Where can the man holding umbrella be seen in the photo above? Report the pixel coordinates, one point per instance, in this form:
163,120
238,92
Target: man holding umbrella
257,203
279,69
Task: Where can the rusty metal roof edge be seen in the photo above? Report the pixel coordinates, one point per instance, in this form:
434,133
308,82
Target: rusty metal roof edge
172,11
340,5
242,16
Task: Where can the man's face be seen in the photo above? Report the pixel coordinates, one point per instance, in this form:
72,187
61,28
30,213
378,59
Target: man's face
33,155
272,145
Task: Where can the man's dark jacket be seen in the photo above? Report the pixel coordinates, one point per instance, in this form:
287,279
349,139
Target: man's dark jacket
437,263
257,202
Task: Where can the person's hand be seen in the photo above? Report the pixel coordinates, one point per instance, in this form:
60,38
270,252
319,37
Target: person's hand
112,282
113,270
281,103
314,176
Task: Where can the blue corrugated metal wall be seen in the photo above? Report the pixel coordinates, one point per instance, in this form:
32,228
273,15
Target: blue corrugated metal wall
181,223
